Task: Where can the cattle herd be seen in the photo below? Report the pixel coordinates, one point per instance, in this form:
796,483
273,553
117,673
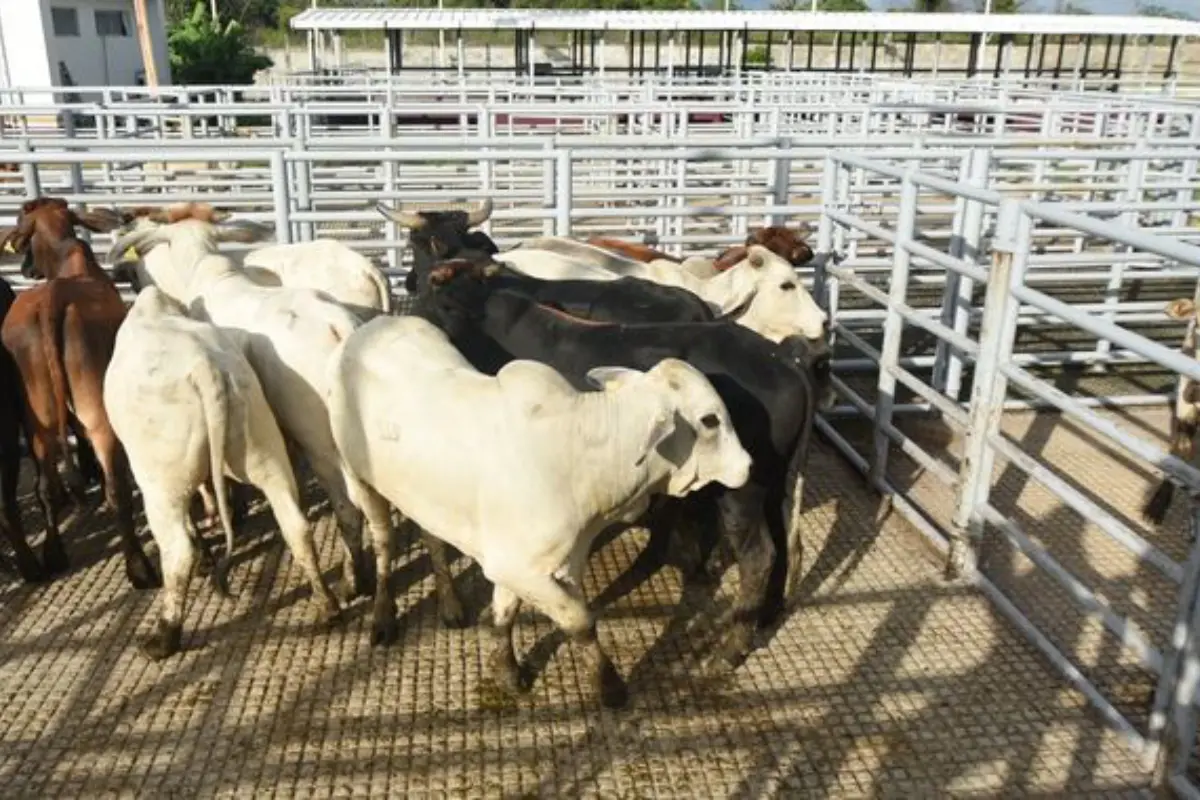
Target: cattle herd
534,398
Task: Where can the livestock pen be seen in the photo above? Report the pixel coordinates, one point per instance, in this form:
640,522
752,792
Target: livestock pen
995,255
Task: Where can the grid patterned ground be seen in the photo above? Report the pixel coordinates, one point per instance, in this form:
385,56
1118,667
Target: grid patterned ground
886,682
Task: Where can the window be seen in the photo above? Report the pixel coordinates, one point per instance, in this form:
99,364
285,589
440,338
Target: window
111,23
65,21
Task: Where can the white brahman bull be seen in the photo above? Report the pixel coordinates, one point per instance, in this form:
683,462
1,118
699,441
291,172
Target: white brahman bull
519,471
287,334
761,292
325,265
188,407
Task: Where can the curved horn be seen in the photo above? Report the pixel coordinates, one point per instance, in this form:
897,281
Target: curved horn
481,214
408,219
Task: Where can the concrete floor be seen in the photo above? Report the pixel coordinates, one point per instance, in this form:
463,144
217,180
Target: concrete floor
887,681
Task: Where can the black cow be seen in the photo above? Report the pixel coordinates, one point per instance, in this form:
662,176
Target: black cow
771,402
12,414
437,237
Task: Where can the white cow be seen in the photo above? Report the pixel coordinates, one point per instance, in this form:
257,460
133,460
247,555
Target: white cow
287,334
188,407
325,265
518,471
761,292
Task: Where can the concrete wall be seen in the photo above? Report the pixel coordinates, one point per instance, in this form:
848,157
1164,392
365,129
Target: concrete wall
23,61
93,60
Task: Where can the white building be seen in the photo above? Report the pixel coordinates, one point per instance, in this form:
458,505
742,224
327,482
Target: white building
85,43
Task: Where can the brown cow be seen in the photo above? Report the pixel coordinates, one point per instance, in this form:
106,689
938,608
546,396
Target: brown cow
61,335
782,241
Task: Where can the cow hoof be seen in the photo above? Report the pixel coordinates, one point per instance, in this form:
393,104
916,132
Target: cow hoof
385,630
611,687
141,573
54,556
451,612
164,643
328,619
506,674
734,649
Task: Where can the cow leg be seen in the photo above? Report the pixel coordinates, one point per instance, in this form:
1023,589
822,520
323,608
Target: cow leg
356,571
29,568
49,493
742,520
379,519
168,526
88,468
503,661
118,496
209,501
450,608
299,538
564,604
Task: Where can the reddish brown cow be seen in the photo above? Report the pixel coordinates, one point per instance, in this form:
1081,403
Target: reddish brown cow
61,336
782,241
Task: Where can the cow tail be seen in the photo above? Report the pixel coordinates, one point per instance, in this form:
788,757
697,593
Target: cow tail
385,289
214,399
793,497
47,317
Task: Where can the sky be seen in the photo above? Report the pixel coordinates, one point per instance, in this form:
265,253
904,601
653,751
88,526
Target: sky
1190,7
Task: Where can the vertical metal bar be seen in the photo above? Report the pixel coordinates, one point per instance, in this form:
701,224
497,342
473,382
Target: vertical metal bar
1010,249
824,254
562,192
1136,173
1179,651
279,196
29,172
549,186
893,326
781,175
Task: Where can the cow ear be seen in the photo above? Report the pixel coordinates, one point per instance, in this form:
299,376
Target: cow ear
662,427
611,377
1180,309
13,239
98,220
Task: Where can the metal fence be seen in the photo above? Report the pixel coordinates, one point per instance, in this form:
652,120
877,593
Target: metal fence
1164,648
950,280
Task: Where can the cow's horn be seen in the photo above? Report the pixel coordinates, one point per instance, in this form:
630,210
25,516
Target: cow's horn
481,214
405,218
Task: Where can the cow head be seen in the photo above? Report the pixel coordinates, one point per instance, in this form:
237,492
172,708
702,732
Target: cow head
457,291
784,242
45,234
775,303
436,236
689,428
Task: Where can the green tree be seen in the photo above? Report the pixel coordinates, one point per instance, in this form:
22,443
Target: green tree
1156,10
205,51
1003,6
933,6
822,5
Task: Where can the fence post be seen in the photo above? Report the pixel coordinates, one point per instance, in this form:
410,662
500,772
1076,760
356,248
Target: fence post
549,185
1116,277
279,196
75,169
824,253
893,326
387,126
29,171
1010,249
487,167
1177,681
782,178
956,301
562,192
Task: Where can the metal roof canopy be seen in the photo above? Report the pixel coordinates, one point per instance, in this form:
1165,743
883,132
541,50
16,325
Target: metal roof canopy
333,19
